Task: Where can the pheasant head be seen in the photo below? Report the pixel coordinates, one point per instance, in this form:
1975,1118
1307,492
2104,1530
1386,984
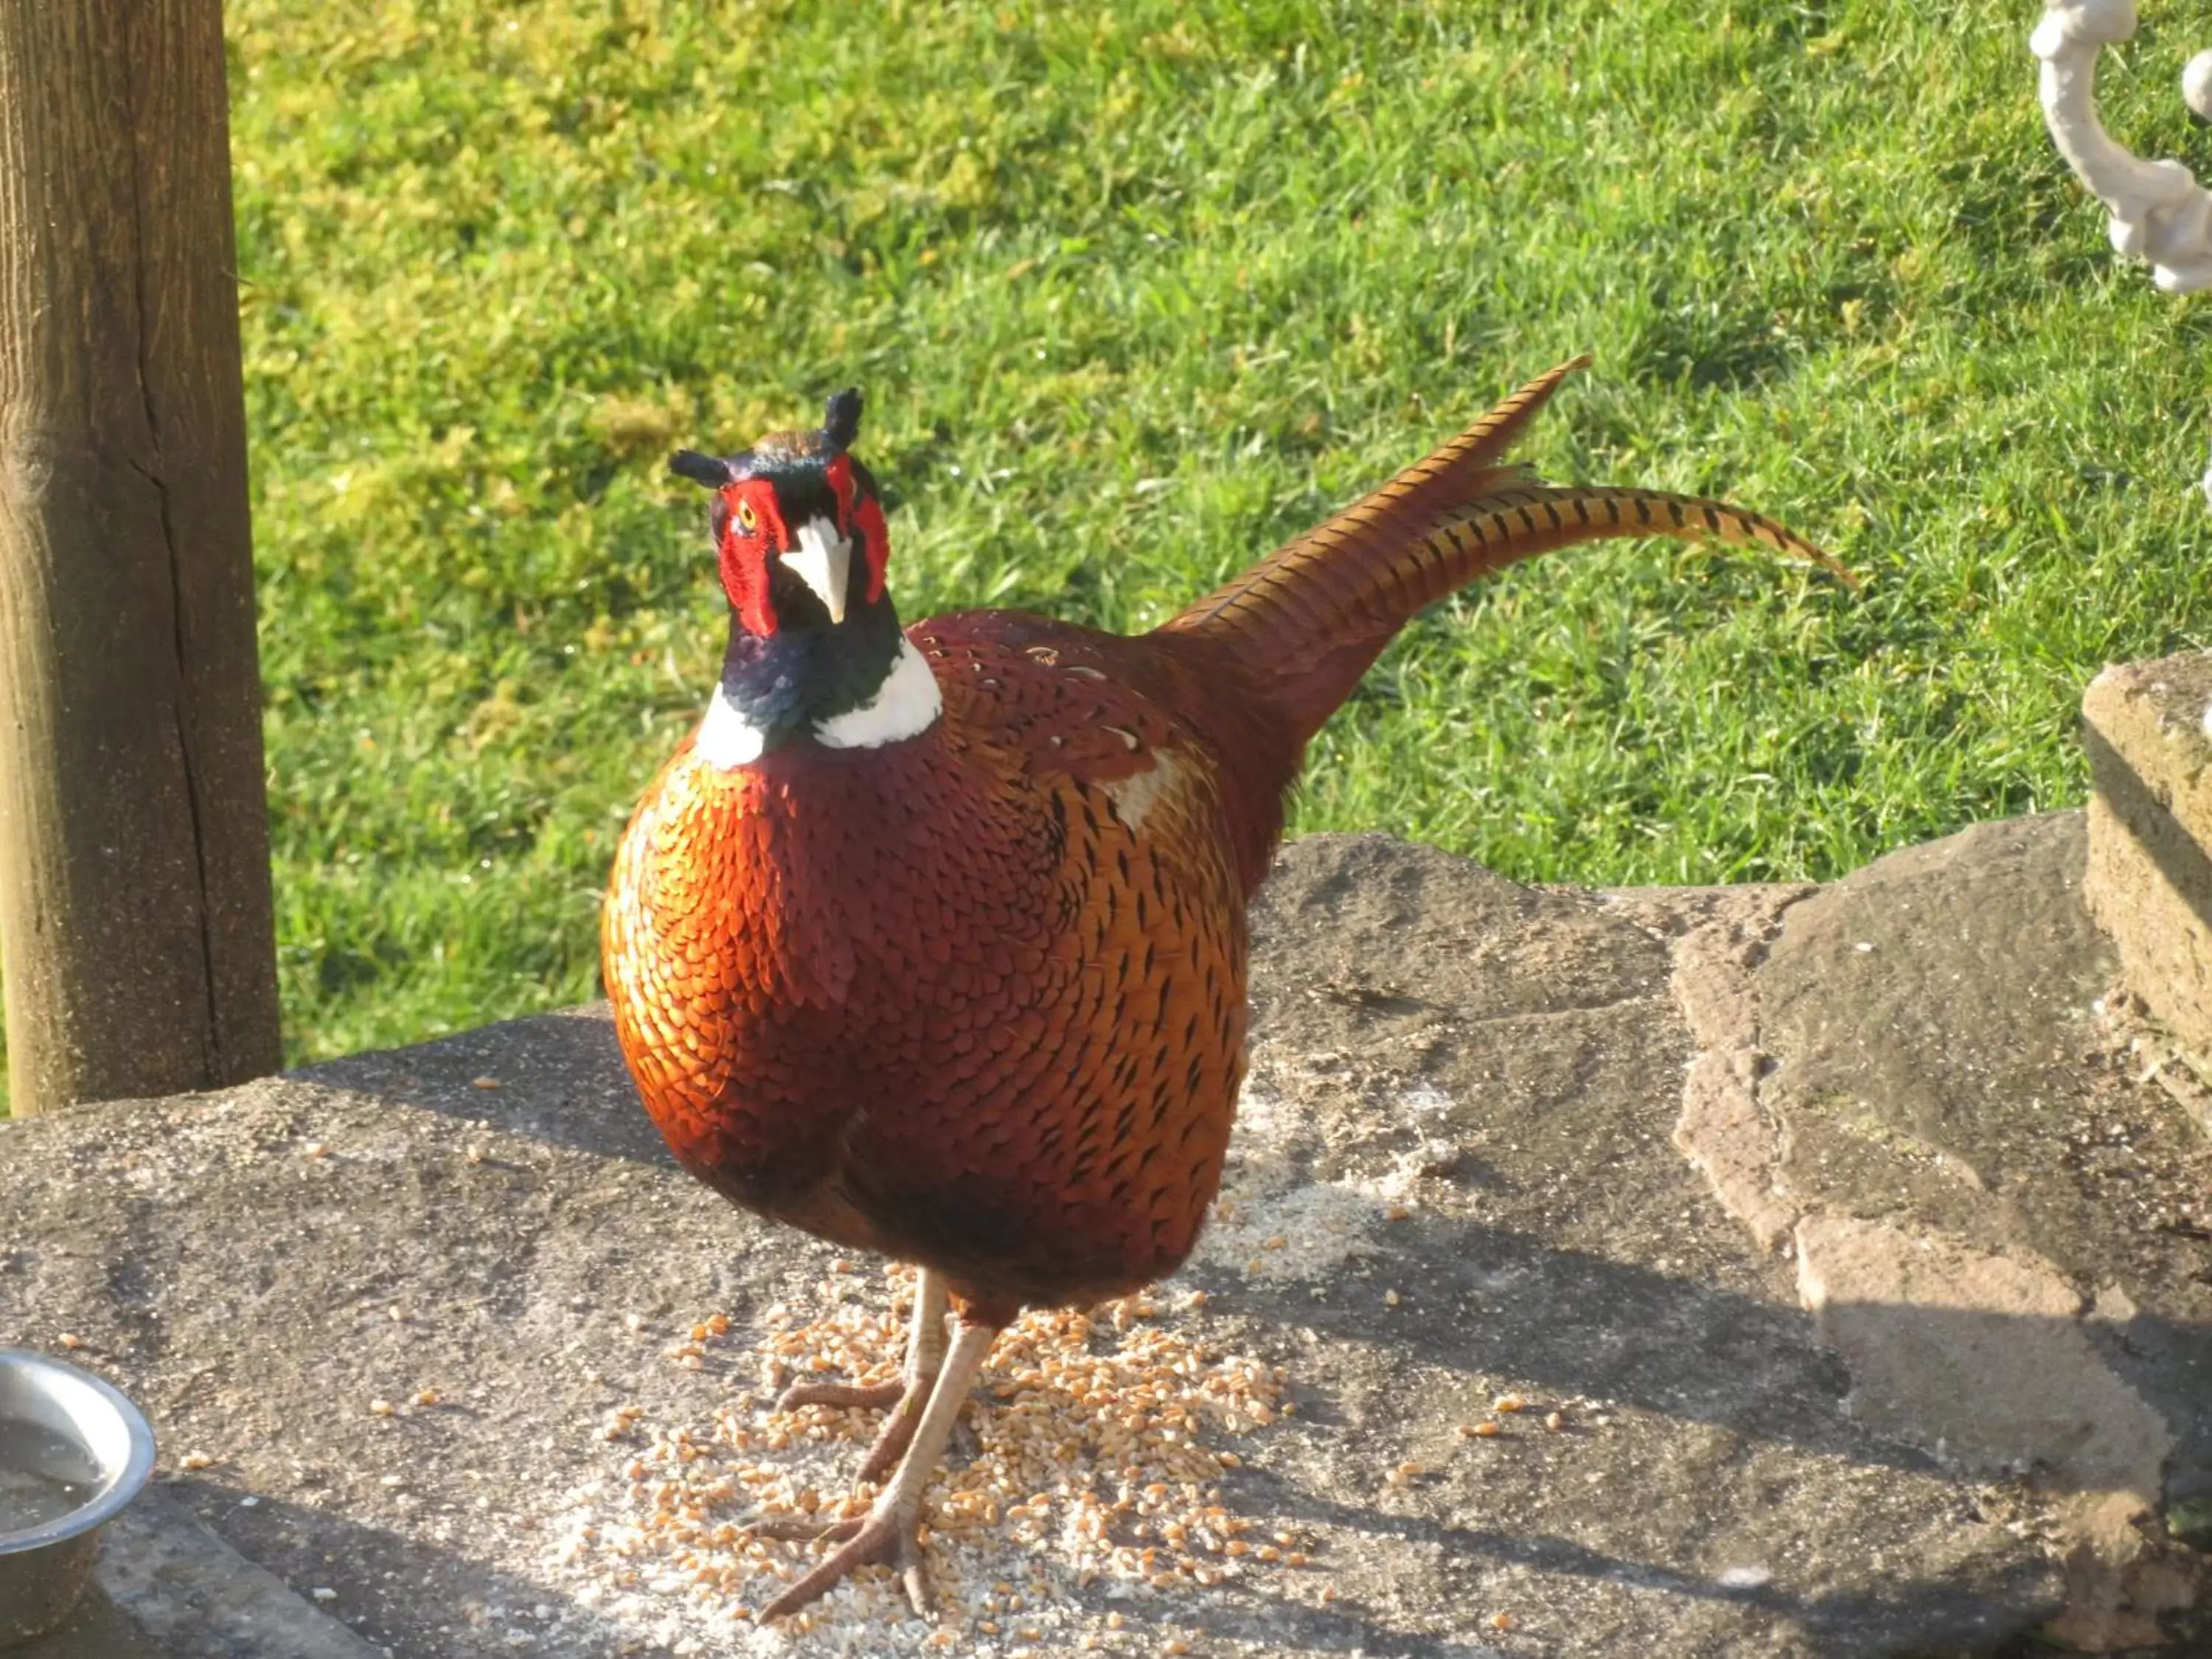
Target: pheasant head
815,652
792,518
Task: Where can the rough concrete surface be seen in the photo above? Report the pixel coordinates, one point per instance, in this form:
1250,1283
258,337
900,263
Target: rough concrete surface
2147,728
165,1586
383,1307
1997,1223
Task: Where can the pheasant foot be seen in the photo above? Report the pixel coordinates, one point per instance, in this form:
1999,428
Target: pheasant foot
905,1399
886,1534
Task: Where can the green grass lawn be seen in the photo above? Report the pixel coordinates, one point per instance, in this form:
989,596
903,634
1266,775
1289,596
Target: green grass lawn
1136,292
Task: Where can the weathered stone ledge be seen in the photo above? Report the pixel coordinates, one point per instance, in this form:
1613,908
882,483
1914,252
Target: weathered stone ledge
1911,1352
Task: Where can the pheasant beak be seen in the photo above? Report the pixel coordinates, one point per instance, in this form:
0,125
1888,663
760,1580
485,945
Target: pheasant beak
824,561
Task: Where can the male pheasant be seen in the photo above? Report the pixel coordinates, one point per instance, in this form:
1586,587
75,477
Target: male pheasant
932,942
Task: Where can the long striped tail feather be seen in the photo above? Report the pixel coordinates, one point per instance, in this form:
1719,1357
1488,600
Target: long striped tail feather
1435,487
1312,618
1511,525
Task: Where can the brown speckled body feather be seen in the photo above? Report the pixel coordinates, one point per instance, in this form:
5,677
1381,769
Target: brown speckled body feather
976,998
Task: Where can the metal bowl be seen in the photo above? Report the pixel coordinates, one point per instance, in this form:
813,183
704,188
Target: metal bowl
73,1452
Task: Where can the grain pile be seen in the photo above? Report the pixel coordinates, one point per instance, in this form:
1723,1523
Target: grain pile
1089,1461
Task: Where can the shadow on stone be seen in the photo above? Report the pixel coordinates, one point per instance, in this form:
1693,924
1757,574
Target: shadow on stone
1498,1303
565,1085
398,1592
1907,1618
2183,863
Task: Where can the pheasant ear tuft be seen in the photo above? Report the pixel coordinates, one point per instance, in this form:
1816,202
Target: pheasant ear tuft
711,470
840,421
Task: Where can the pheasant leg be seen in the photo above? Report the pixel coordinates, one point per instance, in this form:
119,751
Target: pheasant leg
925,1354
924,1357
887,1533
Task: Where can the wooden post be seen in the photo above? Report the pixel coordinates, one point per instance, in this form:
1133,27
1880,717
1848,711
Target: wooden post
135,933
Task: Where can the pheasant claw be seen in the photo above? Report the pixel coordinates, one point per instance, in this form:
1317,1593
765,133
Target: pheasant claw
799,1528
884,1537
871,1396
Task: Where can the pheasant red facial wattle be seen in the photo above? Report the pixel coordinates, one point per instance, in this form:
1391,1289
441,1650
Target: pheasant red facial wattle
931,941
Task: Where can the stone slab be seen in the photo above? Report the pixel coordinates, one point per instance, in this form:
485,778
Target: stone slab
392,1302
2004,1227
2147,729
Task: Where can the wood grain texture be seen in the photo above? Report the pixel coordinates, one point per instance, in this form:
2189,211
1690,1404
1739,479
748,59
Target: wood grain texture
134,911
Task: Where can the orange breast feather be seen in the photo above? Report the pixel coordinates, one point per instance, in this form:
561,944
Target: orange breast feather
976,999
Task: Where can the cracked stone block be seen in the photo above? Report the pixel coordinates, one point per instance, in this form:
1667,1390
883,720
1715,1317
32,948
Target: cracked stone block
2147,726
1980,1359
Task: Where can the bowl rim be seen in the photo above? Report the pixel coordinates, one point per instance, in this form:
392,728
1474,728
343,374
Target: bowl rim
115,1492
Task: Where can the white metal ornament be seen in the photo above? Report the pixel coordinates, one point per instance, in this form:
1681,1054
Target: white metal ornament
2159,212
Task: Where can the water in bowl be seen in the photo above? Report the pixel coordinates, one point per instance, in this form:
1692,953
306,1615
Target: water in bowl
43,1476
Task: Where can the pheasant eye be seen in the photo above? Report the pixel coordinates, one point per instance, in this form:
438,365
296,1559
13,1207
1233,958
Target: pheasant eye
748,520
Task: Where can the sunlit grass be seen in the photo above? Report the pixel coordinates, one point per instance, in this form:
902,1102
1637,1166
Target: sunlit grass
1135,293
